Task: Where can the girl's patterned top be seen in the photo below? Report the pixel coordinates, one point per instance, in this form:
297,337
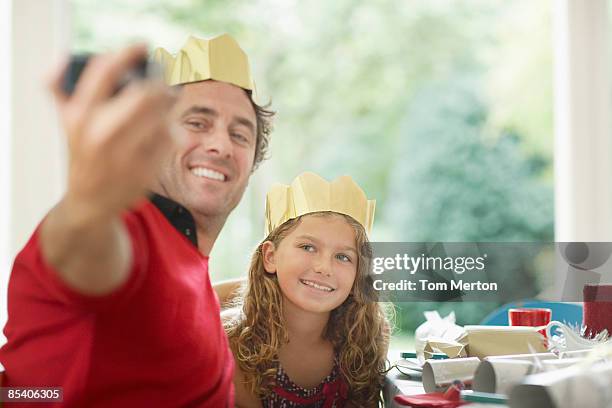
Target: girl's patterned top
331,393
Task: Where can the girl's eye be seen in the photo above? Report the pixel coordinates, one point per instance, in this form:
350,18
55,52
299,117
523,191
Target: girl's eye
343,258
308,248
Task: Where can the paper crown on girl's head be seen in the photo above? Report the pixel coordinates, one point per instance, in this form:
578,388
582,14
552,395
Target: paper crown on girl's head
310,193
219,58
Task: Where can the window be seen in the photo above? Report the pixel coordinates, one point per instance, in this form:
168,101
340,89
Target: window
442,111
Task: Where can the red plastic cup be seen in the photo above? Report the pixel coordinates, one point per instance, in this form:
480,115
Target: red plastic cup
530,317
597,314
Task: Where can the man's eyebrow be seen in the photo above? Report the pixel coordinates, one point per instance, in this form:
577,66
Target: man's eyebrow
247,123
200,109
211,112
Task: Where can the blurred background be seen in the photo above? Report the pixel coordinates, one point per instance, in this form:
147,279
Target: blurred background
443,111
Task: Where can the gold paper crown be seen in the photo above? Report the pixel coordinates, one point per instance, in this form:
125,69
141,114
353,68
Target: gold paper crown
310,193
219,58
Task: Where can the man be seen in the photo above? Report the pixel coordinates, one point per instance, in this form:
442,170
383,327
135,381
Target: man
111,298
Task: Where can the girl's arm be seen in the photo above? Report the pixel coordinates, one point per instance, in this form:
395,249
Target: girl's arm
226,290
242,396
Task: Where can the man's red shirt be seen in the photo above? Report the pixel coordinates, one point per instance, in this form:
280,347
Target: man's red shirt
157,341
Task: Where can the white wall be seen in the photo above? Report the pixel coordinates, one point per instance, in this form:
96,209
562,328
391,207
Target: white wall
38,174
33,156
5,149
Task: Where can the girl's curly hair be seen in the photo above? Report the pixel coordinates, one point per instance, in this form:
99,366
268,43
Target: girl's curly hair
358,328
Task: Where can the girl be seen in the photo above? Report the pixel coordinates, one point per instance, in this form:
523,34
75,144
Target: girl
310,332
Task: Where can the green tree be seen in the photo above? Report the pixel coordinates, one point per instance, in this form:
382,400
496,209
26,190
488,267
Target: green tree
452,181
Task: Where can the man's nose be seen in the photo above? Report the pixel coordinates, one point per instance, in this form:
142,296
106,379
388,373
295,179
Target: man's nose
218,143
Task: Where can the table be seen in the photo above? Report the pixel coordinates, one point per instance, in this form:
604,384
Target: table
396,383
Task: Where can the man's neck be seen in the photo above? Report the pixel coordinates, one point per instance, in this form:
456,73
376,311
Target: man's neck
208,229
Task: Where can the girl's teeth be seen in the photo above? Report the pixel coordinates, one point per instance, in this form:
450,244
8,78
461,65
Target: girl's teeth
314,285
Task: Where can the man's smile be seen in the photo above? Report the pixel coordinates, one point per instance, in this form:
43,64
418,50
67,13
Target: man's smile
208,173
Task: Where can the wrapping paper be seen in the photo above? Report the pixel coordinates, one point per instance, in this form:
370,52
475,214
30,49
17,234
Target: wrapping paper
552,365
453,349
485,341
575,354
310,193
570,340
579,386
498,376
439,374
449,399
528,357
443,334
219,58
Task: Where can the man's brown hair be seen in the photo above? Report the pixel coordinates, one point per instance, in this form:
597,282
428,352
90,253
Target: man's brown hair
263,117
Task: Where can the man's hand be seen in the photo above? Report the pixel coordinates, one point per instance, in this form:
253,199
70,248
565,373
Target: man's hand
115,146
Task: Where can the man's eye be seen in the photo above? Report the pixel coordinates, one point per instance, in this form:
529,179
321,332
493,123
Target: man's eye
308,247
195,124
240,137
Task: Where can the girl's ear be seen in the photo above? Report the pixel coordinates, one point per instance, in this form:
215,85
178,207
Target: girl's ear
268,253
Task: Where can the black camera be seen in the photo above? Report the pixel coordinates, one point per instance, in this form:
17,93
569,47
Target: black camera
141,70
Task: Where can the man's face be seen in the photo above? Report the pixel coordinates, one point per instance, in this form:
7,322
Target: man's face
210,172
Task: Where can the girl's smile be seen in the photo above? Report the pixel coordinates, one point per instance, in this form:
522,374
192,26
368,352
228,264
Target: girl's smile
316,263
319,286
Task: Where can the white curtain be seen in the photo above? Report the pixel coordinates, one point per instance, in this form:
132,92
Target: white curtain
583,144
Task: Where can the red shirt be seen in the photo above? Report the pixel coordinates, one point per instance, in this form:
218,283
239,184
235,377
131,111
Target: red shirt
157,341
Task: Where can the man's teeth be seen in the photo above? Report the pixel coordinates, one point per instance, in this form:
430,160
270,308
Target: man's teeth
208,173
314,285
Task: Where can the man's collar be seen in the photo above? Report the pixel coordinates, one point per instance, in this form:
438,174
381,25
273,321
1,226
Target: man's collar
177,215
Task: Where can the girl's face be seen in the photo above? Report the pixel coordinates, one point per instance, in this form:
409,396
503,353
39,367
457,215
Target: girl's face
316,263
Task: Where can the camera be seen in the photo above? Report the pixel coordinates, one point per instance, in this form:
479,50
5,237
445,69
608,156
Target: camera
141,70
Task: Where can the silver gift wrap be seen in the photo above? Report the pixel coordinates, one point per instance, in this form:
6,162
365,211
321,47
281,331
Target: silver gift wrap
500,375
578,386
439,374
